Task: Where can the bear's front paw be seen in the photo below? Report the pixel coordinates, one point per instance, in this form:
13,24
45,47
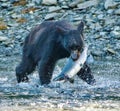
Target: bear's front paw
22,78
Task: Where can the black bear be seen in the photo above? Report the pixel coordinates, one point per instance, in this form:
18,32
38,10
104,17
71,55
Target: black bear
46,44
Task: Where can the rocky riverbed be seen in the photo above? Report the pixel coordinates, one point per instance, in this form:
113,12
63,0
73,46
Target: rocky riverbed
102,33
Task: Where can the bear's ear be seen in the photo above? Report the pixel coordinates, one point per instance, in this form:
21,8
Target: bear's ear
61,30
81,27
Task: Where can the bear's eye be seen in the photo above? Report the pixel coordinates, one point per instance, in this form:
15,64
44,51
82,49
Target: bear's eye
80,49
75,48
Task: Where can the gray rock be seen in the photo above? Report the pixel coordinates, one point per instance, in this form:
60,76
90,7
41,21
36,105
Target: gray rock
37,2
100,16
54,8
12,24
50,16
117,28
117,12
88,4
5,5
115,33
75,3
110,4
77,19
111,50
14,15
3,0
1,33
109,21
108,57
49,2
90,59
98,26
3,38
110,11
65,7
103,33
96,52
13,1
61,2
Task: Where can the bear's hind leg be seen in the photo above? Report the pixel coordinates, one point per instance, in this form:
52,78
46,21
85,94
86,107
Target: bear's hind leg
46,68
23,69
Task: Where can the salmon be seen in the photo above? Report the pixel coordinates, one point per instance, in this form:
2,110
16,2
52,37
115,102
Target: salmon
72,67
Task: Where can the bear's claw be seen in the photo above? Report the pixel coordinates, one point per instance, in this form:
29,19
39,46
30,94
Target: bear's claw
22,78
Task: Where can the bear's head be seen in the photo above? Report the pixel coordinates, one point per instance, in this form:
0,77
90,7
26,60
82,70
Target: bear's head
73,40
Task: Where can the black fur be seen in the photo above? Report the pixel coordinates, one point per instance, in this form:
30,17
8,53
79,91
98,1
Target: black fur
45,45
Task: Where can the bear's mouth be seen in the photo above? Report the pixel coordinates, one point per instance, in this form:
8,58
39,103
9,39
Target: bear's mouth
75,55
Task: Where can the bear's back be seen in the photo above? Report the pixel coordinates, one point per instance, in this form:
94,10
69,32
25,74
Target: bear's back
46,27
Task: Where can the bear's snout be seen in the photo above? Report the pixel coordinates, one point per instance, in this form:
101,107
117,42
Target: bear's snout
75,54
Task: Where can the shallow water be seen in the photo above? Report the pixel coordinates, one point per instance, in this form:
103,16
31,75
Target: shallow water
60,96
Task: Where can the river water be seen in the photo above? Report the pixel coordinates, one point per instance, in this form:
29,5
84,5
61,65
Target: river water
60,96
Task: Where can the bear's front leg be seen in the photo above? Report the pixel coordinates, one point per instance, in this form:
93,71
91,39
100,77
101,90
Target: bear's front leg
46,67
86,75
26,67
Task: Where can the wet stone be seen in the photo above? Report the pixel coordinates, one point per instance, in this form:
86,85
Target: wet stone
97,53
15,16
13,24
49,2
1,33
54,8
110,4
87,4
100,16
37,2
3,0
111,51
2,38
117,12
110,11
5,5
75,3
50,16
12,1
